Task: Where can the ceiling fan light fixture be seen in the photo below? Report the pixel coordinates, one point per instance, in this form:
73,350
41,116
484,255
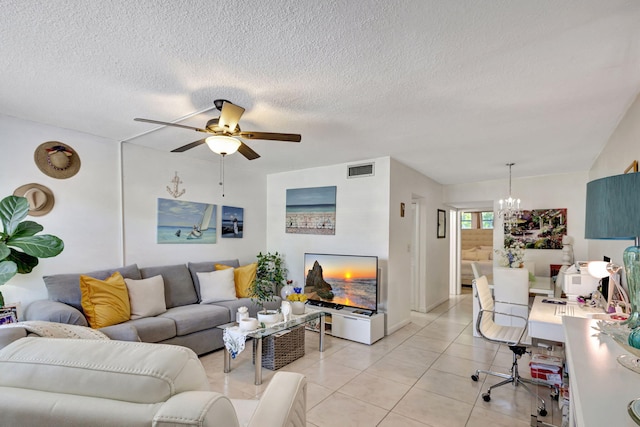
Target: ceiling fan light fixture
223,145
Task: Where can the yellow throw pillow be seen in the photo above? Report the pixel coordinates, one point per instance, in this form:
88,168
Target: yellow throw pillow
243,278
105,302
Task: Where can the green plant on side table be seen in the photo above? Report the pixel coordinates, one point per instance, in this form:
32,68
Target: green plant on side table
20,248
270,275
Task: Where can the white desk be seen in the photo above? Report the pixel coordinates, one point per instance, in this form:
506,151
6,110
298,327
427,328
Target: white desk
545,320
600,388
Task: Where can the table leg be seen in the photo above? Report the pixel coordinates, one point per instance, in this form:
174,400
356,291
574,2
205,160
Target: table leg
227,361
257,353
321,334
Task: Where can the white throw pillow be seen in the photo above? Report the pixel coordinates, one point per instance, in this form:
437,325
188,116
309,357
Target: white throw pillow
146,297
218,285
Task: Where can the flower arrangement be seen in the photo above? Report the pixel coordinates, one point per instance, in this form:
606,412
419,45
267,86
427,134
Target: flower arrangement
511,256
297,295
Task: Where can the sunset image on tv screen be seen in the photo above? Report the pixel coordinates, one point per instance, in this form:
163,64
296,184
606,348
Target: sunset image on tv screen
352,279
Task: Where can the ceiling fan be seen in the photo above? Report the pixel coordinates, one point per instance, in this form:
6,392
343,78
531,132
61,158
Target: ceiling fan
226,132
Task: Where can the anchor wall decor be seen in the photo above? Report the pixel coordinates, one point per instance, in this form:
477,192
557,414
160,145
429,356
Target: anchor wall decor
176,192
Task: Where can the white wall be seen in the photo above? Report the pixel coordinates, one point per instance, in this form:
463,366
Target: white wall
623,148
86,215
89,214
368,222
542,192
408,185
362,217
147,173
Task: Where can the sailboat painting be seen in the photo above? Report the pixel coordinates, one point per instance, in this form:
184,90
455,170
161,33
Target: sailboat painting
180,221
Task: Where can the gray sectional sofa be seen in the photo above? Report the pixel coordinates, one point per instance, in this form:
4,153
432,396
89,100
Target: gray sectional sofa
186,322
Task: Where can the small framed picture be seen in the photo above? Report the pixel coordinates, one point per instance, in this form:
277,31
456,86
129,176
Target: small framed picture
442,224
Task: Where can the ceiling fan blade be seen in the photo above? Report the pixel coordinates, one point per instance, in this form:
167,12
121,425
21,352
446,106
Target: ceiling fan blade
230,116
188,146
157,122
288,137
246,151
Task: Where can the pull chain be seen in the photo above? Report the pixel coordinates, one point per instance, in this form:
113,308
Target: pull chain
222,172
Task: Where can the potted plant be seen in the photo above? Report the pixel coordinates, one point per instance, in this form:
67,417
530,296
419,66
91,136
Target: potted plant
297,299
270,275
20,248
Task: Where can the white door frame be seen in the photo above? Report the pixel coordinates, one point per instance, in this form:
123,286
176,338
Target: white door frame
455,287
416,287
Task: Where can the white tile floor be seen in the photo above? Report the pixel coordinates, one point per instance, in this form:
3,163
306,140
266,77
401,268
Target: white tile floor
418,376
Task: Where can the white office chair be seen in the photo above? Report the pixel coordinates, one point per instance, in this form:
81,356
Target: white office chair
474,268
511,336
511,293
560,281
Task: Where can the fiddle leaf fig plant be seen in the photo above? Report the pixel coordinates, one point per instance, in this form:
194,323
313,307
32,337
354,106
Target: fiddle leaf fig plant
20,247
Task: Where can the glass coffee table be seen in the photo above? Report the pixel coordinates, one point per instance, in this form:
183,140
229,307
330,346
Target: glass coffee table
309,316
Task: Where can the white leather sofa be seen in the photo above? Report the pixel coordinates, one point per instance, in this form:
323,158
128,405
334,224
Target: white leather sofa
72,382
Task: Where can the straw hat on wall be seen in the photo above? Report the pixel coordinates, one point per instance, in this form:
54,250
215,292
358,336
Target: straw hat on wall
57,160
40,198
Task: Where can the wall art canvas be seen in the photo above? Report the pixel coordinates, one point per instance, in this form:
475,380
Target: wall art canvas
186,222
311,210
538,229
232,222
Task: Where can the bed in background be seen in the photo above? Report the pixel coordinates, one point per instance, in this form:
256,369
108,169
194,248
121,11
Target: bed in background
476,246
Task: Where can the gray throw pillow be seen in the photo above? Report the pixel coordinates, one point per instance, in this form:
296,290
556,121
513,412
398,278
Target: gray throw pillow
178,285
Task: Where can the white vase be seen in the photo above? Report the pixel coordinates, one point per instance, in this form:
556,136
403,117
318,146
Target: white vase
286,290
285,309
297,307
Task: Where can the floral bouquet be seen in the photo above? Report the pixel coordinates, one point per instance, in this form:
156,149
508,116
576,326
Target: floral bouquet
297,295
511,256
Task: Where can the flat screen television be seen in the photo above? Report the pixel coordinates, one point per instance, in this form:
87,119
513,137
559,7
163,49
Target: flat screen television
342,280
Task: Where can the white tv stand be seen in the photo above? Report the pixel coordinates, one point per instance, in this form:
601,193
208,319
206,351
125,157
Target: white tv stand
348,324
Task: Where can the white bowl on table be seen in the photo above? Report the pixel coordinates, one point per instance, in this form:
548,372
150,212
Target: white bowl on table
248,324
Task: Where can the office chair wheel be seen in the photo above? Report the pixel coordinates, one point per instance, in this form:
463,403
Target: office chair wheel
542,412
486,397
474,377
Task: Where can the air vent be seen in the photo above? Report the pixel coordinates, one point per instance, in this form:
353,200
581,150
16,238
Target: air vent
358,171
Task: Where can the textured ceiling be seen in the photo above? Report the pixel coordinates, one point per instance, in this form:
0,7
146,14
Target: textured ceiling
454,89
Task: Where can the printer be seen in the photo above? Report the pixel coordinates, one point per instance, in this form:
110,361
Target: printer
578,282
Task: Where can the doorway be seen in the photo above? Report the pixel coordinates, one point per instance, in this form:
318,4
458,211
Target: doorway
474,226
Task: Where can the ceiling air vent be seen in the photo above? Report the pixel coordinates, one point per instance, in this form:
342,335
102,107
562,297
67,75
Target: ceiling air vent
357,171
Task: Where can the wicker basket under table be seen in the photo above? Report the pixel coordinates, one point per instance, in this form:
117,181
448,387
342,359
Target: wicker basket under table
278,351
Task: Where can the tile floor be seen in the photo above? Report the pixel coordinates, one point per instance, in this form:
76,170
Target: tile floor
417,376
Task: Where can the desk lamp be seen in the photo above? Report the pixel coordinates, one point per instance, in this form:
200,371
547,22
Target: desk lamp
613,212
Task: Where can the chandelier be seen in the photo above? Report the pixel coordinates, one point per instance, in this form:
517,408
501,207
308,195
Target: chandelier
510,208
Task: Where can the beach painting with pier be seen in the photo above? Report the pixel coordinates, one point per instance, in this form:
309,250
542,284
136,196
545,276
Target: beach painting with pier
186,222
232,223
311,210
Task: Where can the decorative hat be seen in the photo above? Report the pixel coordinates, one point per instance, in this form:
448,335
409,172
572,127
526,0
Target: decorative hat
40,198
57,160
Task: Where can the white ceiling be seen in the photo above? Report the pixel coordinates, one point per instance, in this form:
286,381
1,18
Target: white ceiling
452,88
